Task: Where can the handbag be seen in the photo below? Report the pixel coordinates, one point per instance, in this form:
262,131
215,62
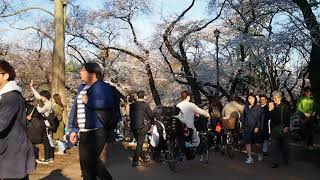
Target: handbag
277,131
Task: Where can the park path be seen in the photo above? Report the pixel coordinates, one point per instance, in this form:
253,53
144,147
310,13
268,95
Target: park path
304,165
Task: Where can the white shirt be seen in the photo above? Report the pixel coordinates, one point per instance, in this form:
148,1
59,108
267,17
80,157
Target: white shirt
188,110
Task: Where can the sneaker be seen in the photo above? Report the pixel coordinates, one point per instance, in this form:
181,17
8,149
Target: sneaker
43,161
260,157
249,160
146,159
50,160
136,163
59,153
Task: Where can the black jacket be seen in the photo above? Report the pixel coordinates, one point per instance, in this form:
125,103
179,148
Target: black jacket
36,127
140,115
266,113
275,115
252,117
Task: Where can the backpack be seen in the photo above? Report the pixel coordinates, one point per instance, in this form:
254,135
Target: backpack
116,113
54,122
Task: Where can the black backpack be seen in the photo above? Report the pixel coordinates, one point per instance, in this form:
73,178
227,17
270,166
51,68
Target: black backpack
54,122
111,117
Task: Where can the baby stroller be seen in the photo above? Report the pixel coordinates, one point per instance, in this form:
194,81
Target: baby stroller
163,130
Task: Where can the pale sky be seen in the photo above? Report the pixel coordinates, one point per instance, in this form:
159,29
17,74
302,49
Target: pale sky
146,23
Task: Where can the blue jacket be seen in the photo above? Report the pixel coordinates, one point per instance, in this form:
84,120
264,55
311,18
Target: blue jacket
100,96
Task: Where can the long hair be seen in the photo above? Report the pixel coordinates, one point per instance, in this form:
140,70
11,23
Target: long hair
255,99
57,99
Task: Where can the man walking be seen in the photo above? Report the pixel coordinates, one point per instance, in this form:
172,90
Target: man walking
16,152
140,114
90,112
265,124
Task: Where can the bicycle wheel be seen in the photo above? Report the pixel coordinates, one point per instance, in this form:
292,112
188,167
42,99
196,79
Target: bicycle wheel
230,152
173,157
204,157
203,152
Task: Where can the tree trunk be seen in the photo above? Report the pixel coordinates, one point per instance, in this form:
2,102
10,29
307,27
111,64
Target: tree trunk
192,81
313,69
153,88
314,29
58,63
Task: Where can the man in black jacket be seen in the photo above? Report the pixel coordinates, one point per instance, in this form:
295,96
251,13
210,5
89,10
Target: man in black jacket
140,115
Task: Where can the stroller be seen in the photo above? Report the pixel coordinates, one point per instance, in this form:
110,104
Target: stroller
163,130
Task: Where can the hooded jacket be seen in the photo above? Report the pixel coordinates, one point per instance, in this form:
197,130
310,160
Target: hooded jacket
16,151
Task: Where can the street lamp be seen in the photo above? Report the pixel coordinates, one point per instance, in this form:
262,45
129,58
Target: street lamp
217,34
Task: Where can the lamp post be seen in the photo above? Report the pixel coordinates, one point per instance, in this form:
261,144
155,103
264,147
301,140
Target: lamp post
217,34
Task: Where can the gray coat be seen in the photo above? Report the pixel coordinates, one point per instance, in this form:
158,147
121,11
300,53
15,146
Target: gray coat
16,151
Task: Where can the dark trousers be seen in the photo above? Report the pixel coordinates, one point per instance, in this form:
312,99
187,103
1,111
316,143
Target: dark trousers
92,149
139,135
279,150
36,151
48,150
308,131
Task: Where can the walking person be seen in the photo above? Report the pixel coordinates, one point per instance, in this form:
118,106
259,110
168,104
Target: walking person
306,107
265,135
90,113
58,135
36,129
16,152
140,116
45,107
280,121
252,120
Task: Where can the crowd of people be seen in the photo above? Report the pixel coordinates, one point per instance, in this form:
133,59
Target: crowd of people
97,114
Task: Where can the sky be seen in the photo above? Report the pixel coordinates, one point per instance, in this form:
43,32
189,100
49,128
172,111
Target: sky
146,23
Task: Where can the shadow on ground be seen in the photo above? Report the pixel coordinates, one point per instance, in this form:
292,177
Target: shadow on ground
312,157
55,174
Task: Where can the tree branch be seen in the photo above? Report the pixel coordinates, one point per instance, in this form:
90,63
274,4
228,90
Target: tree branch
26,9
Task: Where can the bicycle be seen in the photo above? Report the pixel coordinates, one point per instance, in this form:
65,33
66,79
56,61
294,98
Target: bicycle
230,142
175,155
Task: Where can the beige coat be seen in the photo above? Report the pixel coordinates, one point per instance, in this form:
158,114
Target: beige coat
58,110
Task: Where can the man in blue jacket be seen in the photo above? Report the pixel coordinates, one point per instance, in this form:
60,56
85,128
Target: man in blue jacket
93,97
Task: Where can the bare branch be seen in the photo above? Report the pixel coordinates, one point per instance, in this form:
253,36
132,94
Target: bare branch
36,29
205,25
26,9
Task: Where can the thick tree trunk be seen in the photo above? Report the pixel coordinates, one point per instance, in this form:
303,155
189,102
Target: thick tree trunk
192,81
314,29
58,63
313,68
